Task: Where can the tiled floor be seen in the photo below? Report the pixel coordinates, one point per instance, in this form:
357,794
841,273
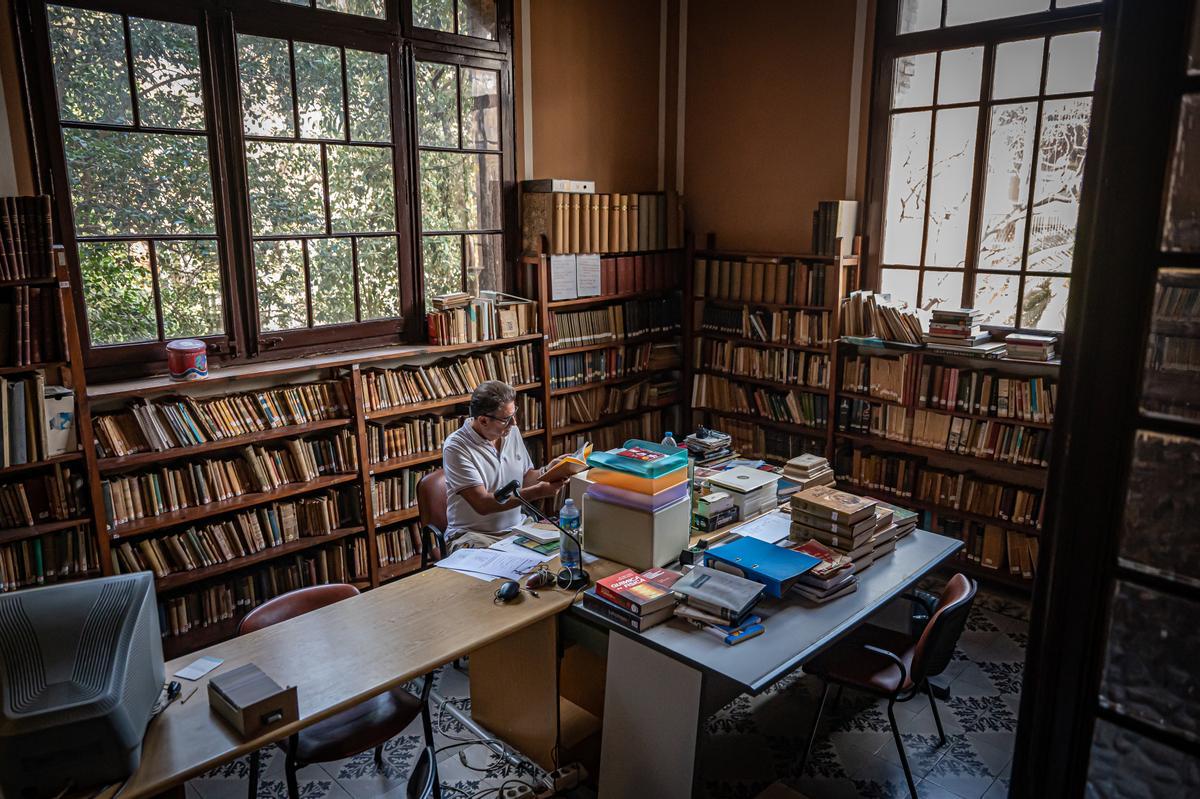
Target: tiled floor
753,741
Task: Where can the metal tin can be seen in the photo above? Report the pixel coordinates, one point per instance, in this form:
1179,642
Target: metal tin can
187,359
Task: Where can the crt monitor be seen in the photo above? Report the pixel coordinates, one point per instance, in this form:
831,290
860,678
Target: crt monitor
81,668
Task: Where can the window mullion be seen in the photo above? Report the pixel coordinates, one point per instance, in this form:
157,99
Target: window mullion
156,288
133,97
933,117
308,304
1036,158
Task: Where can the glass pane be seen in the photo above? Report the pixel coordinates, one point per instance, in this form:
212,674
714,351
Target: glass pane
363,8
368,81
1194,50
319,91
1018,71
481,108
1125,764
138,183
437,112
901,284
1045,303
962,12
485,262
1006,186
1162,507
435,14
1181,228
378,280
279,279
950,193
1172,375
962,72
996,296
912,83
1059,178
285,187
189,283
362,189
331,281
941,290
89,65
118,290
919,15
166,65
477,18
460,191
1073,62
266,82
442,264
908,165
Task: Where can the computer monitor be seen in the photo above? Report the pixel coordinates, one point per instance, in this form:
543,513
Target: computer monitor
81,668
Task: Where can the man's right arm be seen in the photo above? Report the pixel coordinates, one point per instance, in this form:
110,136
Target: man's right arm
463,478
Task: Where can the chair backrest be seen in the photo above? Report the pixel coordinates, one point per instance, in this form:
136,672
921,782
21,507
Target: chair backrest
936,644
424,773
293,604
431,499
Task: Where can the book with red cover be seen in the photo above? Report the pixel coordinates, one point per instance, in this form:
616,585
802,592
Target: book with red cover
663,577
634,592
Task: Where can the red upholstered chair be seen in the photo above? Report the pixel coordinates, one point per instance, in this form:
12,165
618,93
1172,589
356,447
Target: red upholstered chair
431,502
894,665
367,725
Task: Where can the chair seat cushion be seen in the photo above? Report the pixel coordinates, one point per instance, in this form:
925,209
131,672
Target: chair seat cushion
848,663
359,728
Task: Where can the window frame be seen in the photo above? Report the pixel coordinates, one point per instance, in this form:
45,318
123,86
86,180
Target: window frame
890,45
218,22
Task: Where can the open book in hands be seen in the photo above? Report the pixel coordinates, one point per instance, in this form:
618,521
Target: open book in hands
564,466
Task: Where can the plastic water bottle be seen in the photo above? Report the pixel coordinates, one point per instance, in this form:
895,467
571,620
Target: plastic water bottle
568,550
669,440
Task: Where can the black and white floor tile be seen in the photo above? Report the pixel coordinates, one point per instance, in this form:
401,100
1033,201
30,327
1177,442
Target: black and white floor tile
750,743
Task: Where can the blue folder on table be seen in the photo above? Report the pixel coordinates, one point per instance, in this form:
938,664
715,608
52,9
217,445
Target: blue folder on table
775,567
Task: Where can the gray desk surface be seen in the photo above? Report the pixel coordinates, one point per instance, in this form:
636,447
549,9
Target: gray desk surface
796,630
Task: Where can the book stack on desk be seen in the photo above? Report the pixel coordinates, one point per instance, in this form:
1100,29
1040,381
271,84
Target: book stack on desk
883,542
634,600
833,577
808,471
904,519
716,596
844,522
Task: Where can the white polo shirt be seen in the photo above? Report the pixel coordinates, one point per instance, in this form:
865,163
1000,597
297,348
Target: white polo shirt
471,460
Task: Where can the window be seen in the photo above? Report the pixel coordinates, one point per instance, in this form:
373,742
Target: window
985,148
248,177
458,137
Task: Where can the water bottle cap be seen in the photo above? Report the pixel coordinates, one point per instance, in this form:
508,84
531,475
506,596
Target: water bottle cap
568,501
670,434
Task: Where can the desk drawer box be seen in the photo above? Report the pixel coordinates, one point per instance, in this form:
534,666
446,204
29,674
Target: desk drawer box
639,539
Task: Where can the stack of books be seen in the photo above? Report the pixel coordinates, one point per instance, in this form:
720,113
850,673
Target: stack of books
883,542
459,318
634,600
904,519
707,446
716,597
870,318
844,522
833,577
808,471
1029,347
957,326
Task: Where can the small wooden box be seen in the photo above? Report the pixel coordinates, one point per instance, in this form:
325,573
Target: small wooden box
251,701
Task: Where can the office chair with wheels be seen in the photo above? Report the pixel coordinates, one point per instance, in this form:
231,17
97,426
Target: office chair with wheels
367,725
431,503
896,666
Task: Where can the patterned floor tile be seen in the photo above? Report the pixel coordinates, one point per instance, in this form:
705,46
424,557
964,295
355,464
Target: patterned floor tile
931,790
968,779
923,752
881,779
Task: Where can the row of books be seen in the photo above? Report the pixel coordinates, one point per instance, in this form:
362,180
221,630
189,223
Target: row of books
994,547
130,497
613,323
56,495
489,317
398,544
794,407
398,490
1030,399
869,315
37,420
982,438
772,443
575,222
794,367
450,377
1171,382
834,226
594,404
338,562
884,419
189,421
26,238
648,426
236,537
884,378
575,276
907,477
32,330
774,281
582,368
804,328
414,435
64,555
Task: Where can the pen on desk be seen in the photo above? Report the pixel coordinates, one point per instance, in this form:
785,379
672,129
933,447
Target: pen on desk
189,696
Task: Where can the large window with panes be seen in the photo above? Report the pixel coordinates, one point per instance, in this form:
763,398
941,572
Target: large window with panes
981,115
271,176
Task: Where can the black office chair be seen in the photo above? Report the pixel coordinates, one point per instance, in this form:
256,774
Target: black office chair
431,504
894,665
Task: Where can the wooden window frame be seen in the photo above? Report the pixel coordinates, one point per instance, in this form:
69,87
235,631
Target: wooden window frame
217,23
890,45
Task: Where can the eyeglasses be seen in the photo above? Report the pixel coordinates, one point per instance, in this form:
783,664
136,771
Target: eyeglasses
507,421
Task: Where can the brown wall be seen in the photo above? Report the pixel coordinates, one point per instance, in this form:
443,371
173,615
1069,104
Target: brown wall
767,118
14,106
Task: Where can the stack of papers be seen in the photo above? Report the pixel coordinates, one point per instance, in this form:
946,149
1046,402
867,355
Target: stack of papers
488,564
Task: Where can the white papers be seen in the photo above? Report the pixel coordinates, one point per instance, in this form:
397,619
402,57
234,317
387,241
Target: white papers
198,668
538,531
562,277
488,564
587,275
770,527
510,546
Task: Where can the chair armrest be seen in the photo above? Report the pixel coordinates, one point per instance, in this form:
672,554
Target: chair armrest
892,656
929,606
430,534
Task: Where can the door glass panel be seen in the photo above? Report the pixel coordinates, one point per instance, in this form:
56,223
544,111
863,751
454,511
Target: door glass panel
908,167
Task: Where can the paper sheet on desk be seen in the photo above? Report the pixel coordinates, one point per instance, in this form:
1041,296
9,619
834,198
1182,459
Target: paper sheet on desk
770,527
488,564
510,546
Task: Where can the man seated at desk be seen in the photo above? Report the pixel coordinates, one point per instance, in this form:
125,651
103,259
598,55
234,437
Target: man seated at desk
484,455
